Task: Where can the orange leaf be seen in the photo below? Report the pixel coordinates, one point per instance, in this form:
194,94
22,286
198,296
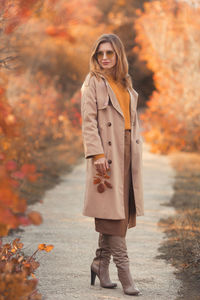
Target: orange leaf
32,177
41,246
97,180
106,176
26,264
35,217
28,168
49,248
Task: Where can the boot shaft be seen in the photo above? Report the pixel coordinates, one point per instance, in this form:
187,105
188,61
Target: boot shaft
120,257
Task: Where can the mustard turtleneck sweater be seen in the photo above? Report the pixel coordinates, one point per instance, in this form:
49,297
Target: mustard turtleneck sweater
123,98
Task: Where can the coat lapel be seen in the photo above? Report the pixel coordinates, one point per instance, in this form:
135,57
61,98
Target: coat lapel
112,96
133,102
115,102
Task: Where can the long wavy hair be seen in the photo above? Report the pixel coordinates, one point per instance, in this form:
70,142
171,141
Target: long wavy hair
120,71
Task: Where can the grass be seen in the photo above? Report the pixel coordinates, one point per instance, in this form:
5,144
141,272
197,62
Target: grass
182,247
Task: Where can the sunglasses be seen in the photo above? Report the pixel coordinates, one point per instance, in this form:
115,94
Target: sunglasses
109,54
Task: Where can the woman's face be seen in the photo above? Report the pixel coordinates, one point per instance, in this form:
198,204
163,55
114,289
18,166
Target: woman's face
106,55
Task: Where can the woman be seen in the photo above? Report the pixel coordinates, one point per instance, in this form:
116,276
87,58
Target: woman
113,147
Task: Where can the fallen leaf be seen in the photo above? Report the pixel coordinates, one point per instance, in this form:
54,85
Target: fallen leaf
35,217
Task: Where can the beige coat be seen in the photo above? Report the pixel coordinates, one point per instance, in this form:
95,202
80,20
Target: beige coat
103,132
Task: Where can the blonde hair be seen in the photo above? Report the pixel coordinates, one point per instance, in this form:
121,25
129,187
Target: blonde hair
121,68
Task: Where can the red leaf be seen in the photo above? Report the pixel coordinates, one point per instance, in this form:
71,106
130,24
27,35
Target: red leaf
28,168
18,175
13,182
7,218
11,165
2,156
24,220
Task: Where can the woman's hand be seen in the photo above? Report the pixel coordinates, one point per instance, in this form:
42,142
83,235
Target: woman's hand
101,165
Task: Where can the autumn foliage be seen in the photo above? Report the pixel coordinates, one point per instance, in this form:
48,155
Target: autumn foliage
169,41
16,269
14,172
39,105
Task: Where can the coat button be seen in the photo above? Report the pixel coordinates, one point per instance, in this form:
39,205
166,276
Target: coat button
110,161
109,143
137,141
109,123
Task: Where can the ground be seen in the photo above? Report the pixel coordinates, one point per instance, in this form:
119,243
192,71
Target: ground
64,273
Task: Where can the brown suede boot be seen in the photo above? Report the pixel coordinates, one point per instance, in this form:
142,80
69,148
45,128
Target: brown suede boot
120,257
100,265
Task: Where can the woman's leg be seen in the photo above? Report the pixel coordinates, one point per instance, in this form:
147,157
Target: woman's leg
100,264
117,243
120,257
114,231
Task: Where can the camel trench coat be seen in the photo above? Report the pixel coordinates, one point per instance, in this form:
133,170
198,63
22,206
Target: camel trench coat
103,128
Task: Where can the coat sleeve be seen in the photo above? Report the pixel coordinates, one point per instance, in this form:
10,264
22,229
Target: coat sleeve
91,139
95,157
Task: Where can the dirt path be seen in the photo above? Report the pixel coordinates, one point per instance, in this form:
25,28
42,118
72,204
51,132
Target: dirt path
64,273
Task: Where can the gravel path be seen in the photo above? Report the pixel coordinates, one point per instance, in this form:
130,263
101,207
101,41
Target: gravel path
64,273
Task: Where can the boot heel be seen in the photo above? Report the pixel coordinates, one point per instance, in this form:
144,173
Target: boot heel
93,276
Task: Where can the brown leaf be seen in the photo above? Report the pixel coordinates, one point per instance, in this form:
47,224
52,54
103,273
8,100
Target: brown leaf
108,184
17,245
20,259
34,265
7,246
101,187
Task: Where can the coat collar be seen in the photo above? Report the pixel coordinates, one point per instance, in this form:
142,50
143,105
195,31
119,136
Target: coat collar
115,102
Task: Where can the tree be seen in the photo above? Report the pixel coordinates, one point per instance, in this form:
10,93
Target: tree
168,35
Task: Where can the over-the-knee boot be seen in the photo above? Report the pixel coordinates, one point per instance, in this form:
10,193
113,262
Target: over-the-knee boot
100,264
120,257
